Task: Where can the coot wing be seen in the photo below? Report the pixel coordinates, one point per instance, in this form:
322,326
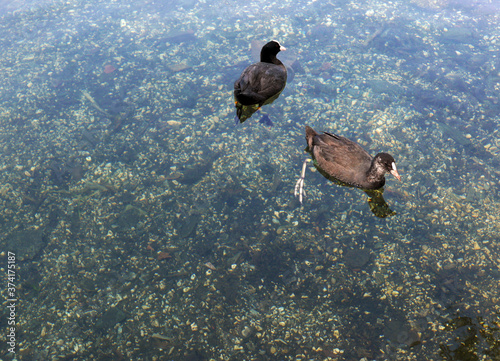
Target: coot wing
274,80
259,82
341,158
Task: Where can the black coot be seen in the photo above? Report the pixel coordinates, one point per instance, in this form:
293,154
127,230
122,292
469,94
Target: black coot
342,160
260,83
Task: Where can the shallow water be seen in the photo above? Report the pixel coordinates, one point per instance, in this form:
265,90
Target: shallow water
163,231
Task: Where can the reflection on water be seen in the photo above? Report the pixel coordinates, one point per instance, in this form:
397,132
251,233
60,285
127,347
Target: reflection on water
147,225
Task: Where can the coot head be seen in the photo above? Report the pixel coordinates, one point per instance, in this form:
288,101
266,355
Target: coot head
269,52
386,163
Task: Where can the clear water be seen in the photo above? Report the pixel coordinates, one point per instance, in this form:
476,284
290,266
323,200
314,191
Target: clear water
148,226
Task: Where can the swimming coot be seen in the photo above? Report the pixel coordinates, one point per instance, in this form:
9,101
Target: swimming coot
343,160
260,83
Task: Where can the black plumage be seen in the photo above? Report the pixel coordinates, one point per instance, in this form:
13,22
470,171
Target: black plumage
346,161
260,83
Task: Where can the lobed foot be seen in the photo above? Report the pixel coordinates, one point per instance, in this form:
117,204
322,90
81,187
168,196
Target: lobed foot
299,186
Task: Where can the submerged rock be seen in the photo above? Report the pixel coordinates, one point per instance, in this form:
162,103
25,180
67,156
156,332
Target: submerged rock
401,333
458,35
110,318
26,244
194,173
130,217
188,225
357,258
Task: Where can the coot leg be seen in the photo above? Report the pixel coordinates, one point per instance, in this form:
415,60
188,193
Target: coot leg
299,186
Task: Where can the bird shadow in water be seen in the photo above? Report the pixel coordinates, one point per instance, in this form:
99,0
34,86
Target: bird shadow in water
377,203
264,120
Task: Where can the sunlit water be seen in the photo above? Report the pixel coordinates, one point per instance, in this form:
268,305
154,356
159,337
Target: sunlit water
148,226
